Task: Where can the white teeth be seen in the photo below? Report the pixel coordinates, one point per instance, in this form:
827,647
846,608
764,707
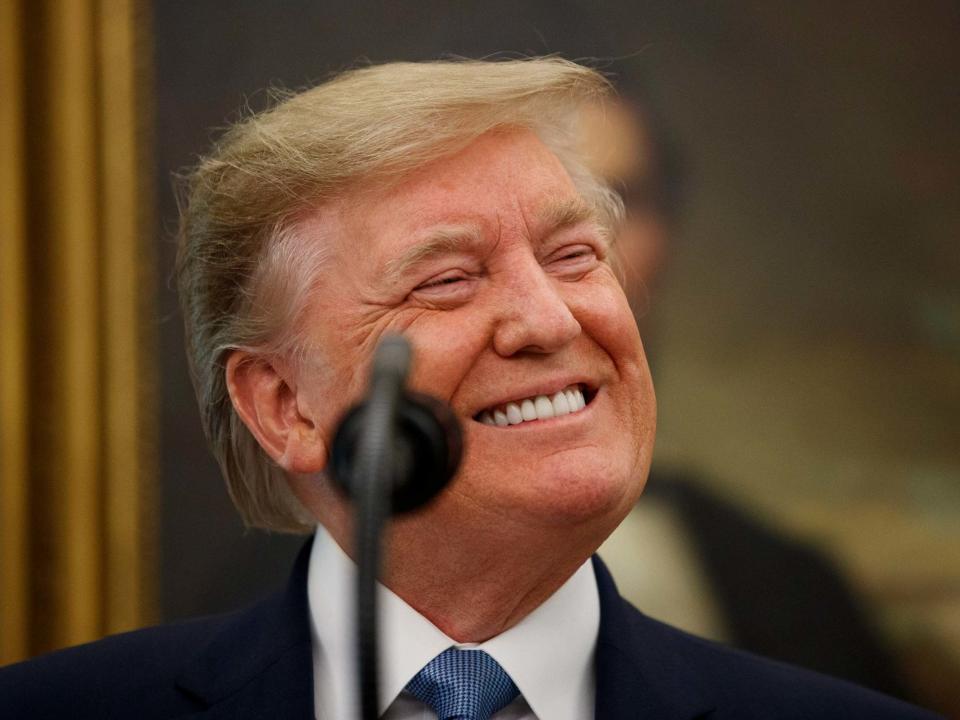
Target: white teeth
544,407
560,404
575,399
528,410
566,401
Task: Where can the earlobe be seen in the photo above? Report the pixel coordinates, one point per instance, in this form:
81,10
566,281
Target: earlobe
267,404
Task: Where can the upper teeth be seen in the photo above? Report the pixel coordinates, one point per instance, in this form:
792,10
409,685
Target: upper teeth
539,407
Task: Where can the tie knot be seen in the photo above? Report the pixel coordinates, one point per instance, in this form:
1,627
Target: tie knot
463,685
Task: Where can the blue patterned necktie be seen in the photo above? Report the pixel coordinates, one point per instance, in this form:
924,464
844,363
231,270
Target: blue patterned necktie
463,685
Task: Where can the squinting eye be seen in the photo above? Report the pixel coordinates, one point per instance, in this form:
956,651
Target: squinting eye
440,282
451,285
573,259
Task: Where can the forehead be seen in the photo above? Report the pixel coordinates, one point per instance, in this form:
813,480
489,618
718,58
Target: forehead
502,178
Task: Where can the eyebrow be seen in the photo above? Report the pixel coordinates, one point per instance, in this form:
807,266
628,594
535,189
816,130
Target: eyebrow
565,213
440,241
575,211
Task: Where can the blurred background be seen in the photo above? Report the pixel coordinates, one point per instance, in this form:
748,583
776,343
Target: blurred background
792,173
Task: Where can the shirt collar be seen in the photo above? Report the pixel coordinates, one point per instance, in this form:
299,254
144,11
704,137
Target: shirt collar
549,654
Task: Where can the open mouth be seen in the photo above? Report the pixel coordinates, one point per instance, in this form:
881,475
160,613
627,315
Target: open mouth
571,399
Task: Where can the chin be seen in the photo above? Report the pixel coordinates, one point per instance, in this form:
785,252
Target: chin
566,492
603,495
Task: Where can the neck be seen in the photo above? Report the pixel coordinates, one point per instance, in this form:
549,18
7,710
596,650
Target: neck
476,595
476,575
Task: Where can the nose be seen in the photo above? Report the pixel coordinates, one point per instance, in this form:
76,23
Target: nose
535,317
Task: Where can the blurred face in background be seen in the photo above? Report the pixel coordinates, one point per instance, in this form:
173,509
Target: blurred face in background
619,149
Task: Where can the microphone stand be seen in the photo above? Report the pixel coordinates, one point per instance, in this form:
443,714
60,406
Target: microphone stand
372,484
392,453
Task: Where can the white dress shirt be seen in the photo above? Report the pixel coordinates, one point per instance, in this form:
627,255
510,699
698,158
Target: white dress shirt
549,654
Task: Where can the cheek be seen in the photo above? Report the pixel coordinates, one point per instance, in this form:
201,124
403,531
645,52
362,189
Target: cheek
605,316
445,348
335,374
327,388
608,321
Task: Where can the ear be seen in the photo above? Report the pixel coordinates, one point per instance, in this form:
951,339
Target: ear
267,403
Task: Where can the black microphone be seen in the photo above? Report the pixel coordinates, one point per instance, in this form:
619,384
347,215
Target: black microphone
393,452
426,441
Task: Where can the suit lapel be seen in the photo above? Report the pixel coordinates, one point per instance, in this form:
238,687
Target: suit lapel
259,664
638,674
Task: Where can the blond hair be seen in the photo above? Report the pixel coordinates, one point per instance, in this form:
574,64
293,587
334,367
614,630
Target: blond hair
243,273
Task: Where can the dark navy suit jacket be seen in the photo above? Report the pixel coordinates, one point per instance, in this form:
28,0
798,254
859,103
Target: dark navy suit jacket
257,663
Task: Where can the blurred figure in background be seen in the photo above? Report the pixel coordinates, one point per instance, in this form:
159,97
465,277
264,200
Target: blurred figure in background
685,555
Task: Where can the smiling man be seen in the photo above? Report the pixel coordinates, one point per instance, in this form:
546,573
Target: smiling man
496,267
443,201
497,271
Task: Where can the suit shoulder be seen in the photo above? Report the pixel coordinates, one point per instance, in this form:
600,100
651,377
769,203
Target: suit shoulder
127,675
750,686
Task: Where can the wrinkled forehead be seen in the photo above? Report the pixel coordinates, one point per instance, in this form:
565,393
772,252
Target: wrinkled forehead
501,178
467,181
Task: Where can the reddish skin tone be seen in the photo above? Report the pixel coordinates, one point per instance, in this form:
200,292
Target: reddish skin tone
528,308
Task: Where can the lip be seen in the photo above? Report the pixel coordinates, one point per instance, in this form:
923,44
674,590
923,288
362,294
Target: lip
549,388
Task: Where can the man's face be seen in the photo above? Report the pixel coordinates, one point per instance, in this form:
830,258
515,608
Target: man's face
490,264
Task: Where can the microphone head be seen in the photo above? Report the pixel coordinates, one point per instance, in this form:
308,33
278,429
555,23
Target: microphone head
428,446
